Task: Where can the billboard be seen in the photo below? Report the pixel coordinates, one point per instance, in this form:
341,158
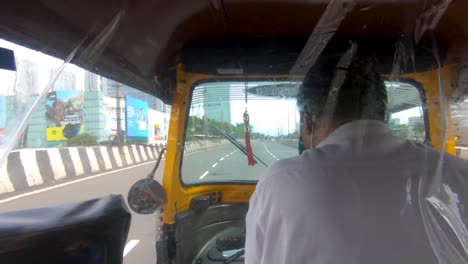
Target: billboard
136,115
64,114
157,126
110,110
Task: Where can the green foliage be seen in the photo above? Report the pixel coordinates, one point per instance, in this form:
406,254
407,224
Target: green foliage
198,126
419,128
400,130
85,139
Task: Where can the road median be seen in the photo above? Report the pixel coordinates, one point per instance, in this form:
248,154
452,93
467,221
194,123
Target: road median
27,168
30,168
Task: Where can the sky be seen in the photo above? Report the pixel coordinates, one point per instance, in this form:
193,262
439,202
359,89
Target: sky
268,117
45,64
273,115
404,115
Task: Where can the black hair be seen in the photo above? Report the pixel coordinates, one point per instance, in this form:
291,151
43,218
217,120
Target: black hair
362,95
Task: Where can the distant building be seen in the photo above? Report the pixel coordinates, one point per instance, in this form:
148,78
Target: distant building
394,122
413,120
65,81
217,102
91,81
27,77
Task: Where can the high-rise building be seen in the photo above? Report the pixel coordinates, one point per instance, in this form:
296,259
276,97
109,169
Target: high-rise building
91,81
65,81
217,102
27,77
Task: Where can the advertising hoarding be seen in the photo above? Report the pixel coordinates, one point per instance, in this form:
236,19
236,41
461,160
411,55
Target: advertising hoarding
157,126
110,111
136,115
64,114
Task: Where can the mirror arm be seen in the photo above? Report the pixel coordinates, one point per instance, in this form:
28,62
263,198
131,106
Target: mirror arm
153,171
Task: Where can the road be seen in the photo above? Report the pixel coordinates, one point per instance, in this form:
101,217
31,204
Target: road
223,163
227,163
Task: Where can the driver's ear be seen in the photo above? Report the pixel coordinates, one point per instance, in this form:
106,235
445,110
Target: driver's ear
307,123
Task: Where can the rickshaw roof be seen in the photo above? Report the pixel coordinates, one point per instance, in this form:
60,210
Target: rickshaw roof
139,42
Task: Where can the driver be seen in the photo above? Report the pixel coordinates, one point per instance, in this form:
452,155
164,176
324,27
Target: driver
353,195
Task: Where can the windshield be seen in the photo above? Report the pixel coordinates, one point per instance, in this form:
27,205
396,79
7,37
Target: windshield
215,126
238,91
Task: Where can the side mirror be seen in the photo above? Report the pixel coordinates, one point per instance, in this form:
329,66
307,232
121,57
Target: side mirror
146,196
7,60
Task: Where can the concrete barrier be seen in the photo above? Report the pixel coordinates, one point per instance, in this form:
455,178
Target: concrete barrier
294,143
193,146
462,152
28,168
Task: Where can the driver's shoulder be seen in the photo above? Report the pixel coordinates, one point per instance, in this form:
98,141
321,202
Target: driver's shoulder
287,169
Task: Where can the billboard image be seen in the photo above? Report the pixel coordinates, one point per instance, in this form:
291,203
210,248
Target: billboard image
110,110
64,114
136,115
157,126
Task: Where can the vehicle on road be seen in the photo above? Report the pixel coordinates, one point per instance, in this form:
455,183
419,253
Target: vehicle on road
230,71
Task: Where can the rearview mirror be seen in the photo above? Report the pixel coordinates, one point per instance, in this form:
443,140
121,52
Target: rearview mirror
146,196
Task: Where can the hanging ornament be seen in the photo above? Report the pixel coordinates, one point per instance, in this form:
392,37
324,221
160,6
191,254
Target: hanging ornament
248,146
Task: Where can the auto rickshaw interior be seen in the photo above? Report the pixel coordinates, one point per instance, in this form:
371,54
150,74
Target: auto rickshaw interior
253,52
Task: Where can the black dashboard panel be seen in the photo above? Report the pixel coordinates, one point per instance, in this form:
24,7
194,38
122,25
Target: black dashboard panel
198,230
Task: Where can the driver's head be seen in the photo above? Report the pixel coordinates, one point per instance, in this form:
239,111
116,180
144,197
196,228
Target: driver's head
362,95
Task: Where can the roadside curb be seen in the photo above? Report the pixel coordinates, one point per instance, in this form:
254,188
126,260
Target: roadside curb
28,168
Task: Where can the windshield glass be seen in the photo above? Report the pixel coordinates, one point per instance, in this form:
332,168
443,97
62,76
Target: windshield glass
364,101
215,140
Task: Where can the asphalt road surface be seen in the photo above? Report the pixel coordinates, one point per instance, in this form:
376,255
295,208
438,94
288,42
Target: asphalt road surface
223,163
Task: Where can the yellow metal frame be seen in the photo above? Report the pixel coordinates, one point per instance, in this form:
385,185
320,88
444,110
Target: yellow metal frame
430,82
179,197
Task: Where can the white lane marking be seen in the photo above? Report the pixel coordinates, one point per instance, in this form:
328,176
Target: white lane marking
92,159
117,157
71,182
227,156
135,153
33,175
75,156
150,152
130,245
214,165
5,182
204,174
128,158
57,163
221,159
105,157
143,153
268,150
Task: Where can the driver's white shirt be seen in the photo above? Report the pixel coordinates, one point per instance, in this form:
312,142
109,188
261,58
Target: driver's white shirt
350,200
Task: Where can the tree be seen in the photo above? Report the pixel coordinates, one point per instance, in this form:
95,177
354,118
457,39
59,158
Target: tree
207,127
419,128
400,130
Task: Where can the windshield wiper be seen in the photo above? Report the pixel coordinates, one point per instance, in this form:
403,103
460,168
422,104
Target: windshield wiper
237,144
